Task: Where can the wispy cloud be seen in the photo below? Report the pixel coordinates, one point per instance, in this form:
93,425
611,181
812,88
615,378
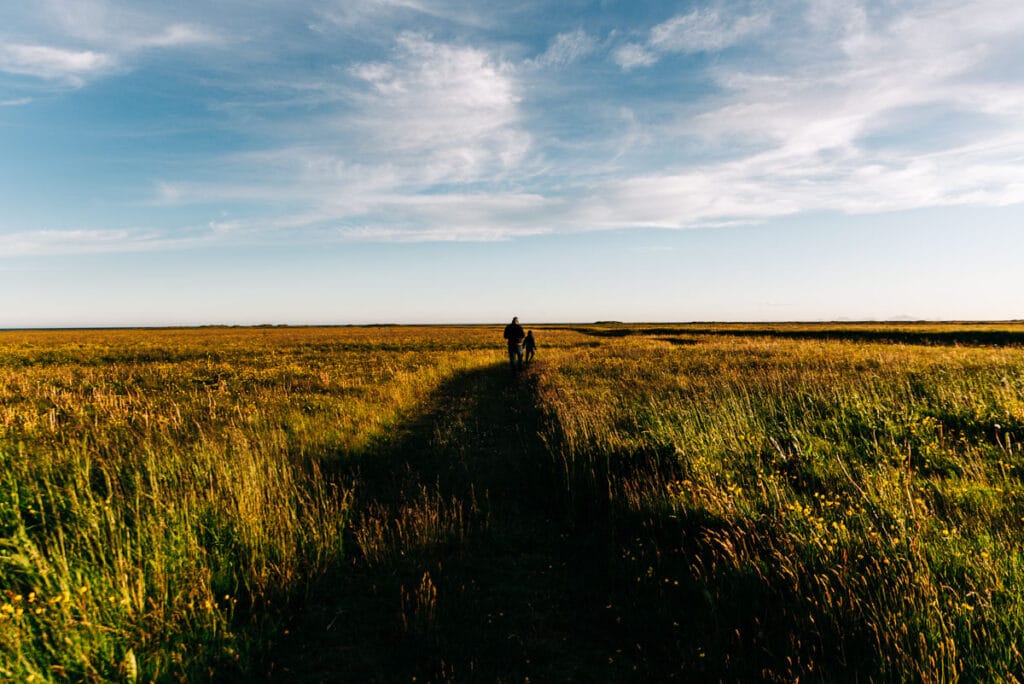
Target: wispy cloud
566,48
480,217
174,36
121,27
70,242
705,30
17,102
761,187
842,130
53,63
450,112
432,113
416,153
356,12
631,55
373,15
822,115
76,42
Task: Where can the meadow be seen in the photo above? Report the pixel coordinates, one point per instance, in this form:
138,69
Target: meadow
646,502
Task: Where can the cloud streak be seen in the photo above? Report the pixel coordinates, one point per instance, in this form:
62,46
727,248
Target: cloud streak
710,29
566,48
88,39
706,30
73,242
51,63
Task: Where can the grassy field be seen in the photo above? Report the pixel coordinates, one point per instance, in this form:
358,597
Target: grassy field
646,502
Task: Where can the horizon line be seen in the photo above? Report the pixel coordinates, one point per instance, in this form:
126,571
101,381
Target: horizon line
265,326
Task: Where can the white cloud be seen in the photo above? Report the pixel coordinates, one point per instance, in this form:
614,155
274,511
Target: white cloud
57,242
350,13
433,115
844,21
176,35
477,217
706,30
375,15
449,112
17,102
702,30
803,134
764,186
630,55
377,208
566,48
74,41
121,27
51,63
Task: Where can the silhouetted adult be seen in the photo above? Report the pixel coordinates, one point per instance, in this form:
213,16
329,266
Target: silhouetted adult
515,335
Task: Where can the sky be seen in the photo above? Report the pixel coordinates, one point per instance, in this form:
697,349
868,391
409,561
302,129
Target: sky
449,161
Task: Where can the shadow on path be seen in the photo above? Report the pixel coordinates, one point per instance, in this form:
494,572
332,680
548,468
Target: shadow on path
462,562
475,554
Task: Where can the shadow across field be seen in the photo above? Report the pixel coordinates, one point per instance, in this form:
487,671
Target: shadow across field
479,553
896,335
462,561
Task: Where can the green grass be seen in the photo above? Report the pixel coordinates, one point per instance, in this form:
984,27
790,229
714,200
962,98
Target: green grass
162,492
648,502
808,507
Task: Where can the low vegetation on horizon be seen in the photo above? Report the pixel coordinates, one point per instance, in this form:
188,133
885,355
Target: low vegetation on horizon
644,503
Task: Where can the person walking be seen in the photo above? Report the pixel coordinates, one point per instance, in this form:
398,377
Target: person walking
514,335
530,345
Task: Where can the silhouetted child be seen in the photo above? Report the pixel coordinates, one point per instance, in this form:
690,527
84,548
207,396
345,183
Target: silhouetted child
530,345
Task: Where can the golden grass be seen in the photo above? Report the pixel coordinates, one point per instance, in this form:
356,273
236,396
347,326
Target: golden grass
152,480
781,501
868,494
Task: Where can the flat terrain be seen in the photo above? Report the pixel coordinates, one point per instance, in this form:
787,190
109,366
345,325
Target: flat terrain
643,503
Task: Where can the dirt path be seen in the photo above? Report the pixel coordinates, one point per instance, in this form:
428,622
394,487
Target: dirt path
463,563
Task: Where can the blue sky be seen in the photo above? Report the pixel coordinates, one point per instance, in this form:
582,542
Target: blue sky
356,161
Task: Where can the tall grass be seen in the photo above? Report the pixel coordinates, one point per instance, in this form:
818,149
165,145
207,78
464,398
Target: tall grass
745,502
161,493
792,509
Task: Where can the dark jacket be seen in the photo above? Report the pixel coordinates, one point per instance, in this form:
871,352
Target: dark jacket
514,333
